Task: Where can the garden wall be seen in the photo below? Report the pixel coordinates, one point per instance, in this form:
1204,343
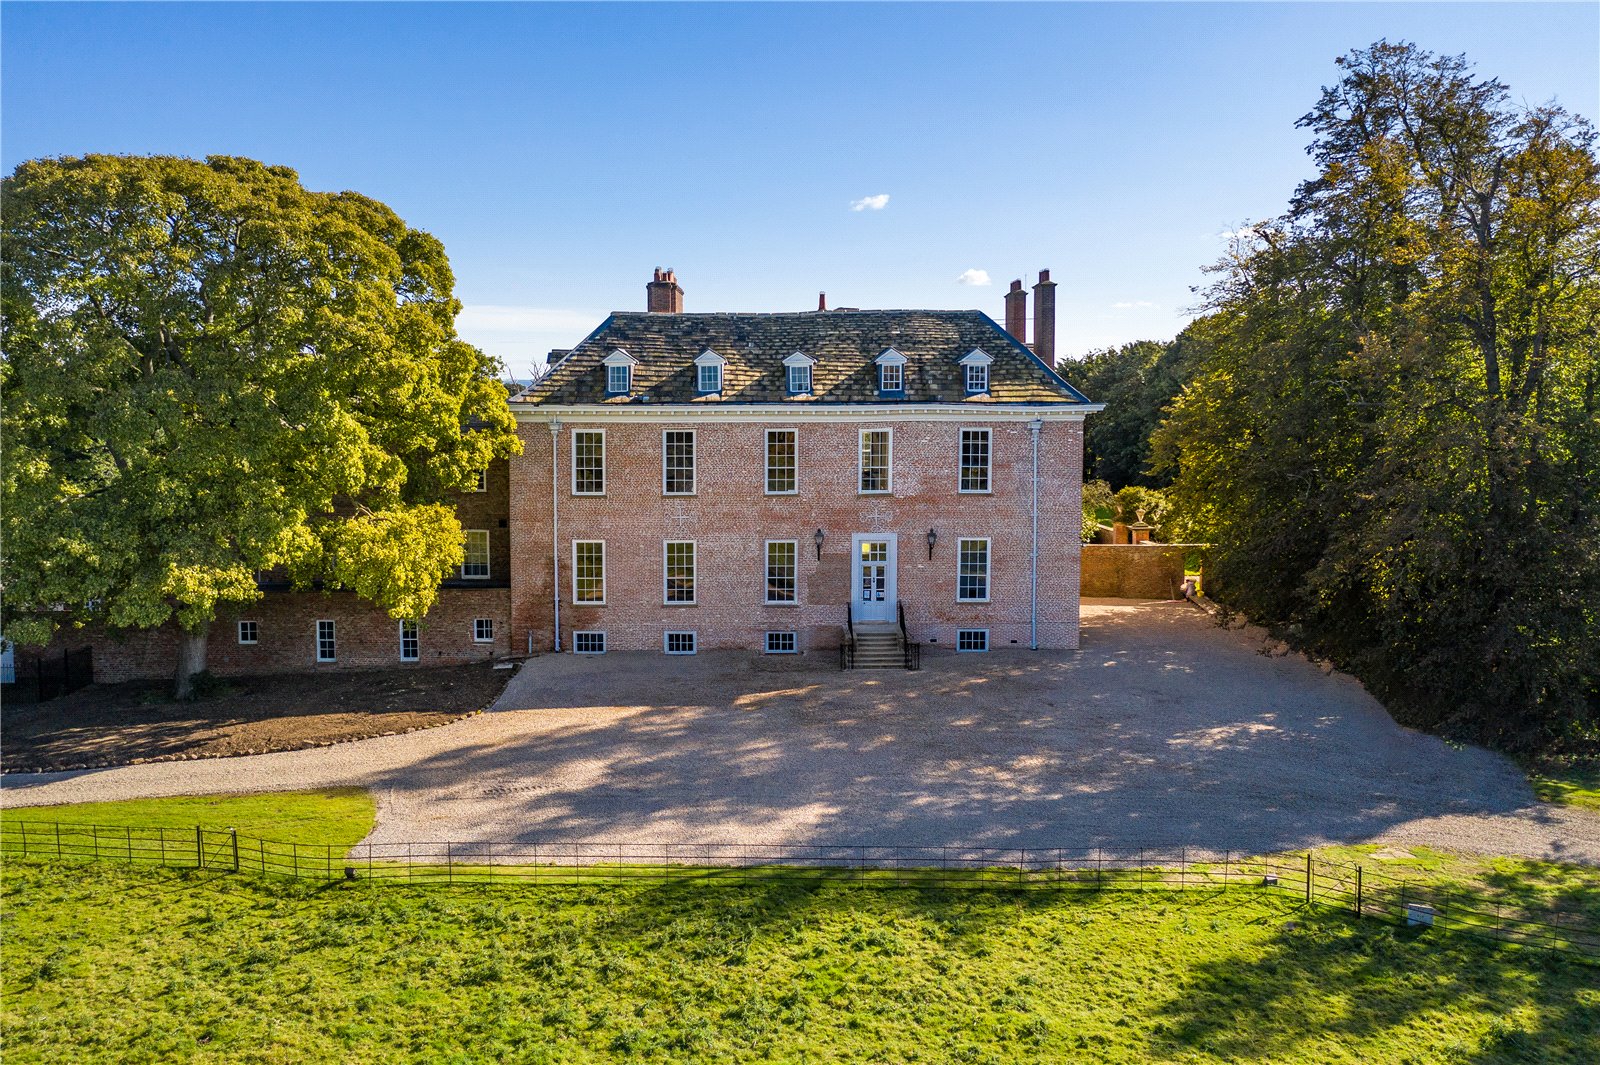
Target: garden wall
1133,571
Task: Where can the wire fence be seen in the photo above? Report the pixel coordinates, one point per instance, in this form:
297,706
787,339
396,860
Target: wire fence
1518,913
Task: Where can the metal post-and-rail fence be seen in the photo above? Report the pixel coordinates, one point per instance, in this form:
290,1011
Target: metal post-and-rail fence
1362,890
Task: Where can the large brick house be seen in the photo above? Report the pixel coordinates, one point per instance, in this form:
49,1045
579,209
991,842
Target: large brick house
769,481
766,482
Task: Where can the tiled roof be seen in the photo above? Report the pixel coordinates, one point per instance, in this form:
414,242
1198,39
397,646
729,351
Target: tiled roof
845,345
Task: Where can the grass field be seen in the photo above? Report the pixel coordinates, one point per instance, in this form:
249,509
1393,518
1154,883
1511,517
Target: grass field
105,963
1569,784
336,816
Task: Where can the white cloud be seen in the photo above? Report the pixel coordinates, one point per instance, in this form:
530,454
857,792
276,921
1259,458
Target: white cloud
1131,305
973,277
871,203
1242,233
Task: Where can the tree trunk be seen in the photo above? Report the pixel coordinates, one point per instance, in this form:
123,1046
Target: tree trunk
191,660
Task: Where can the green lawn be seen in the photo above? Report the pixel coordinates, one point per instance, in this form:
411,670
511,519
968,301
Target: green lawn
1572,784
337,816
107,963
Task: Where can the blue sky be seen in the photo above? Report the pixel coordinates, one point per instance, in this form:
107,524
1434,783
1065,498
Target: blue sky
563,152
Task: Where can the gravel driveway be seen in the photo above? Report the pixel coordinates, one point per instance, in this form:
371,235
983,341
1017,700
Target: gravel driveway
1163,729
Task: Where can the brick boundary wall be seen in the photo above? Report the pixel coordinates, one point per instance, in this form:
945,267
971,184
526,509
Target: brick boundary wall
1133,571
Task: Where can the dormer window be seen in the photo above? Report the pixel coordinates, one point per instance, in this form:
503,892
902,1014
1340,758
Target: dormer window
797,368
975,372
892,373
619,373
708,373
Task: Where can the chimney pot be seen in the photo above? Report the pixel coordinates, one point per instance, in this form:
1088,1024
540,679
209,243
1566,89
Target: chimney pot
1044,319
1017,312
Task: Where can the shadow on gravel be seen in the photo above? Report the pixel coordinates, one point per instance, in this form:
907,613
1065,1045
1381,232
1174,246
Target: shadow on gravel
1162,730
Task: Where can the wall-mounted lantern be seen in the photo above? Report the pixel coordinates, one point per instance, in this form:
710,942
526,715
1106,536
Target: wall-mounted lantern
933,538
818,538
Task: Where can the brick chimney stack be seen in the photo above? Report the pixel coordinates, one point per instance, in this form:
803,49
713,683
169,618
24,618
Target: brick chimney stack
1044,319
1017,312
822,301
663,296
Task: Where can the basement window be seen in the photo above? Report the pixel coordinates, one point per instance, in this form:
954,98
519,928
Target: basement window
679,643
588,643
972,640
249,631
483,630
782,643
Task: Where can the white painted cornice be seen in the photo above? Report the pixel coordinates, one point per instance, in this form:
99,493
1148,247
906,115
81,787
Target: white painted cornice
803,411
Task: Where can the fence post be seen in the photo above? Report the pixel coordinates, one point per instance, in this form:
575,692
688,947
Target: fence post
94,840
1308,878
1022,867
1358,891
233,837
24,838
130,844
58,838
199,848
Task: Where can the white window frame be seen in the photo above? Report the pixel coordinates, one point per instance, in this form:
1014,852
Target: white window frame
891,359
766,573
972,650
483,481
333,638
766,476
255,630
601,433
861,463
694,462
976,359
488,553
588,602
988,467
619,360
708,360
416,641
794,642
477,636
988,569
666,642
981,388
666,574
591,634
799,360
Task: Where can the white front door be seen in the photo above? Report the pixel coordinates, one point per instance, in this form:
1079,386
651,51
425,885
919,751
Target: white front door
874,595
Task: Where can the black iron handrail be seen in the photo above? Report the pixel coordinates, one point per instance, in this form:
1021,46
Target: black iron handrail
847,648
910,653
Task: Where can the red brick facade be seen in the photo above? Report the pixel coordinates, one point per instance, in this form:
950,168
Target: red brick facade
286,633
730,517
365,637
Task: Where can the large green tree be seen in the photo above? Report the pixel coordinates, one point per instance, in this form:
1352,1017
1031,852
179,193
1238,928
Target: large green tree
1136,382
211,371
1393,436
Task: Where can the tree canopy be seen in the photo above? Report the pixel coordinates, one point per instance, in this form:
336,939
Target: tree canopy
1136,382
211,371
1392,433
